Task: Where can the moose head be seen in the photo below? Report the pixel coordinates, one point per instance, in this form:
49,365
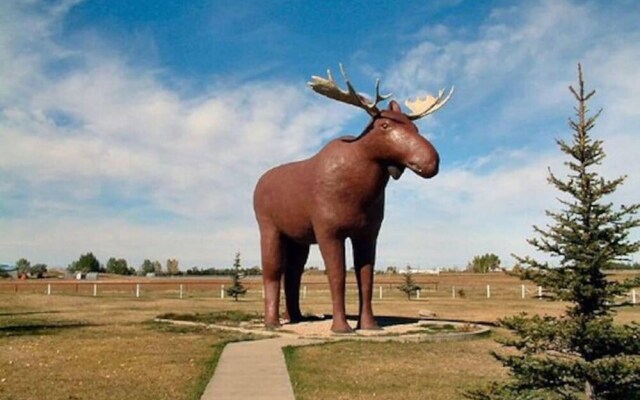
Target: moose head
391,136
335,195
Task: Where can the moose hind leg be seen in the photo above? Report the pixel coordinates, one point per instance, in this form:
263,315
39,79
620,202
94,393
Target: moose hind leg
295,258
271,249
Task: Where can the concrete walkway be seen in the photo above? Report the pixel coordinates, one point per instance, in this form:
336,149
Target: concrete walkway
252,370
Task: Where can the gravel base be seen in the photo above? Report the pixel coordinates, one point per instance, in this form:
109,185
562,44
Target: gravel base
320,330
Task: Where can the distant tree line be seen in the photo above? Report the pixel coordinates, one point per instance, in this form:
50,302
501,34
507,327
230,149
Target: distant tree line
119,266
622,265
88,262
223,271
25,269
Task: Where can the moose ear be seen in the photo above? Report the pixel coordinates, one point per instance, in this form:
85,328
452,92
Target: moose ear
394,106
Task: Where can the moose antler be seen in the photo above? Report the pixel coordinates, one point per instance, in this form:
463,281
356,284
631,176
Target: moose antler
423,107
328,87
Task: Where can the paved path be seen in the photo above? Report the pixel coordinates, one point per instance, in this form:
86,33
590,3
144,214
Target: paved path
252,370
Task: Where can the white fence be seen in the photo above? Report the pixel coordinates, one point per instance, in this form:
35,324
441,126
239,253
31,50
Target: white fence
216,289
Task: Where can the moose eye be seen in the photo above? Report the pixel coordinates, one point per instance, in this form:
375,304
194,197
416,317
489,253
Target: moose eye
385,125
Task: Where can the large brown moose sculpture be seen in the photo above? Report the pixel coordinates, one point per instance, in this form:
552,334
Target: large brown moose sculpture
338,194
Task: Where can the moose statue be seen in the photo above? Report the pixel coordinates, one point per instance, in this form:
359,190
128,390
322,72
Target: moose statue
338,194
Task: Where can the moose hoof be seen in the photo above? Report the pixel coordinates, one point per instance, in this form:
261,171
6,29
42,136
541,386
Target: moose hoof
294,320
369,327
342,329
271,326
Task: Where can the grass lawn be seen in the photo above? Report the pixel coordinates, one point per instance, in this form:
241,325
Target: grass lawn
434,371
73,348
365,370
76,347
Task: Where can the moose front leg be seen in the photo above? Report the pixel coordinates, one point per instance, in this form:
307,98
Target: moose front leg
364,255
332,250
271,249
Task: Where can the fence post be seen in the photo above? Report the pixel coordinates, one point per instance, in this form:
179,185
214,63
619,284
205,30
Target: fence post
418,294
453,292
95,289
488,291
633,297
304,292
539,292
263,292
137,290
48,289
222,291
523,291
181,290
380,292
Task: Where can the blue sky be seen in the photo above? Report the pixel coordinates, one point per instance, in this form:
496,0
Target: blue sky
138,129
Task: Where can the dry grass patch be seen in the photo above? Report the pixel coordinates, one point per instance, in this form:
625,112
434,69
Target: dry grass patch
364,370
227,317
71,348
82,347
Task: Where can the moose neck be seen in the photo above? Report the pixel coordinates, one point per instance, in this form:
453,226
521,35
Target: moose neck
372,171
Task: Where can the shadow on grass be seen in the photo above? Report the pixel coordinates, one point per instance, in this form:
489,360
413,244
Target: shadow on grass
171,328
382,320
228,317
391,320
13,314
38,328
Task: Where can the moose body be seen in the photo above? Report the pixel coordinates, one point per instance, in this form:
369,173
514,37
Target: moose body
337,194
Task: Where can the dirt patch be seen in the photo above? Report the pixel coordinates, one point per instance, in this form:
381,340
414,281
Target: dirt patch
392,328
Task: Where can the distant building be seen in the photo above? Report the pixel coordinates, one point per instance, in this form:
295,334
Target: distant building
421,271
9,271
90,276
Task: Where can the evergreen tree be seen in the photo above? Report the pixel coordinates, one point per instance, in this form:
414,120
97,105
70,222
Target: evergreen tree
236,289
409,286
583,353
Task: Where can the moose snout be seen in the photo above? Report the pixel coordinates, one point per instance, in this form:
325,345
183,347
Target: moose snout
427,167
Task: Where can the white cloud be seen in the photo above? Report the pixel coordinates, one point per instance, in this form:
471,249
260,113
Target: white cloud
100,155
516,70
